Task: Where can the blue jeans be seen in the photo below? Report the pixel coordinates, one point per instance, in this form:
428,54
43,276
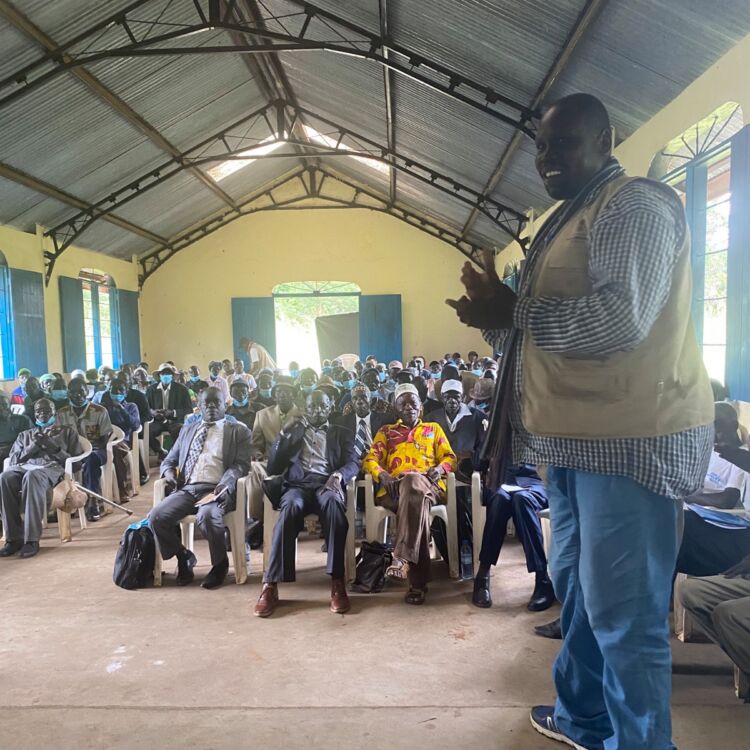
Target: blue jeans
614,547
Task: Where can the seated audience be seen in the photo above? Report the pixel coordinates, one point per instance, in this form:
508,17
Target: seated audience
216,380
92,422
170,404
409,460
124,415
141,380
520,498
238,374
46,382
240,407
378,400
363,423
463,426
18,394
195,381
59,393
201,473
11,425
33,393
37,464
266,429
481,395
264,394
306,383
316,459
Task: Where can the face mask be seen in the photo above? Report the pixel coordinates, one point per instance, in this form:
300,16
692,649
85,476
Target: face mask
308,388
483,406
59,395
166,379
240,403
213,377
349,384
477,371
265,392
119,397
382,377
195,378
294,373
48,423
435,375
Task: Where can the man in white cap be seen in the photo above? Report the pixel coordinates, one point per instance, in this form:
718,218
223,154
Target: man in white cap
409,460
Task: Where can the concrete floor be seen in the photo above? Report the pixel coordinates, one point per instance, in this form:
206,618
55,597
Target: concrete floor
84,664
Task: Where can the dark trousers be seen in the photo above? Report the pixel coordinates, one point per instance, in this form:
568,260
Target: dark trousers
157,429
91,469
708,550
165,518
298,501
523,507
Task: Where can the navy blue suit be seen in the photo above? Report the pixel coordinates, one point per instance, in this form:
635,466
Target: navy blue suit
304,493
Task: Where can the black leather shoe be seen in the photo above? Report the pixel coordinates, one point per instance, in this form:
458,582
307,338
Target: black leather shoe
29,549
92,511
543,596
550,630
10,548
481,596
216,576
185,564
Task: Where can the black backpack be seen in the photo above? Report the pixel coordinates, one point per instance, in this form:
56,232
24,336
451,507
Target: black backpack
134,563
372,561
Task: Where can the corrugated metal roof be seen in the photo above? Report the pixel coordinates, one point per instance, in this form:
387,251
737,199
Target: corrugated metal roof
636,56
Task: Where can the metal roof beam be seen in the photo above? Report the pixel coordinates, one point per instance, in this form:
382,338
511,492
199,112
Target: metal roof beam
580,27
21,22
390,119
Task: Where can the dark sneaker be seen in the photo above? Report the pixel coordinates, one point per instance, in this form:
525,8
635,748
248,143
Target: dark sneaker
543,720
29,549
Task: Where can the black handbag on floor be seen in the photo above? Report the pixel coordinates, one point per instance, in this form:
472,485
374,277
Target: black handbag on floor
134,563
372,561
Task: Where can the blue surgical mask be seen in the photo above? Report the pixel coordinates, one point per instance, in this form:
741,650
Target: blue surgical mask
240,403
264,392
48,423
308,388
382,377
294,373
59,395
119,397
477,371
195,378
483,406
349,384
435,375
166,379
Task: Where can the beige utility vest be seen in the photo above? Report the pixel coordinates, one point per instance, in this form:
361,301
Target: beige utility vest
659,388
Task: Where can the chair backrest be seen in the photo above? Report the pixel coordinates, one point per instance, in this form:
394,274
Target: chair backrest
70,462
116,436
17,409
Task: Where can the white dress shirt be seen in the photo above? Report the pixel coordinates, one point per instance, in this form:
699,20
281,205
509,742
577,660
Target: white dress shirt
209,468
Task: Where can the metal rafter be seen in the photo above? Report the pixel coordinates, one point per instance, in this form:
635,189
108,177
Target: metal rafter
390,118
580,27
27,27
312,183
364,44
234,142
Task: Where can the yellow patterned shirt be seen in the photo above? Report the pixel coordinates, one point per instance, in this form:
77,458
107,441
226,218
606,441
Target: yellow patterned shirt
399,450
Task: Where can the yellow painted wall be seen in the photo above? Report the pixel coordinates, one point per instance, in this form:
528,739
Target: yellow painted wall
186,309
25,250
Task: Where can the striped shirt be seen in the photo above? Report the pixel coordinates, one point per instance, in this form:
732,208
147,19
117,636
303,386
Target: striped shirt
635,242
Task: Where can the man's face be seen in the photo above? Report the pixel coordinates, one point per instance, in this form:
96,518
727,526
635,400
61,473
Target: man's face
214,369
194,371
317,408
725,429
370,379
126,377
307,378
44,410
284,398
226,365
407,409
22,380
265,381
4,408
435,368
118,388
211,405
452,403
569,151
361,404
47,385
239,367
107,376
239,392
77,393
393,371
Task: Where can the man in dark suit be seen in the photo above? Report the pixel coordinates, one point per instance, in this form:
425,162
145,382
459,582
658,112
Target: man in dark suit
362,421
169,403
316,460
201,472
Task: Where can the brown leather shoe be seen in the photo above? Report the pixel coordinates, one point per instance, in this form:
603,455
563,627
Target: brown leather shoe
339,597
267,601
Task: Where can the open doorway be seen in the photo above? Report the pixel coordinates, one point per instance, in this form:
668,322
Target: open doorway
316,320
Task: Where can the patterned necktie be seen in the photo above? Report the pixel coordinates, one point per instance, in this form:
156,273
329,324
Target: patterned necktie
196,448
363,439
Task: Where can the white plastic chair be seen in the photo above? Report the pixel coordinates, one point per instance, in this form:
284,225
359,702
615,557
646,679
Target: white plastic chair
144,434
375,515
270,516
110,489
234,520
63,517
135,469
17,409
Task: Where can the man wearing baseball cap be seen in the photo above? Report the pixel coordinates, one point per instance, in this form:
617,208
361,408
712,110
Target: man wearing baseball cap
409,461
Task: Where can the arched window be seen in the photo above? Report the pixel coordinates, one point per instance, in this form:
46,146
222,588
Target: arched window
6,322
99,318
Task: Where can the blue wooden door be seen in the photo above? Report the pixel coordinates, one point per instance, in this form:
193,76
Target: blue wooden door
254,318
380,326
30,334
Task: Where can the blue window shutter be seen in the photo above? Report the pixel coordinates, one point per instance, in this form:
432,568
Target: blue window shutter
71,316
738,271
380,326
29,332
128,326
254,318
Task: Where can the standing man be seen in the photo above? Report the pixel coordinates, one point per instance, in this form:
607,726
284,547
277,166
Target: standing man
603,382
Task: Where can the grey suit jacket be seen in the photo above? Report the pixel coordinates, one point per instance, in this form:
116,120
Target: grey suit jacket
236,455
268,426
